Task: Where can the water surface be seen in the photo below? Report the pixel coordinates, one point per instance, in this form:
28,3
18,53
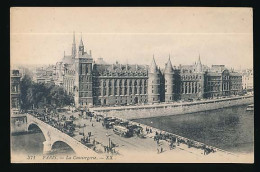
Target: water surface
231,129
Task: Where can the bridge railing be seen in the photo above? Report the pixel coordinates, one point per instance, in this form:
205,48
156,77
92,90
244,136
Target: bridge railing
177,136
185,139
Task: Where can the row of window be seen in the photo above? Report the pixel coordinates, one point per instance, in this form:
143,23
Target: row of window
123,74
84,68
190,77
122,91
135,100
85,79
189,90
120,82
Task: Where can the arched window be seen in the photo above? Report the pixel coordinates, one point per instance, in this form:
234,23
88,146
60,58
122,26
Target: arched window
125,87
130,90
135,87
115,87
104,91
110,87
145,86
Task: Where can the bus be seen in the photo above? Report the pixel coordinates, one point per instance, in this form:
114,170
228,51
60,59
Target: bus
122,131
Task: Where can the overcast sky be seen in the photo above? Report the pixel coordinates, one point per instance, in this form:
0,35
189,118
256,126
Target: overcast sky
133,35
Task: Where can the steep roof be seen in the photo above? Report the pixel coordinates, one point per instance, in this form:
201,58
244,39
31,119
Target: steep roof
168,67
213,74
67,60
100,61
126,69
153,68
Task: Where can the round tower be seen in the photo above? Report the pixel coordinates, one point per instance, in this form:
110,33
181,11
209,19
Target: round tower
169,82
153,83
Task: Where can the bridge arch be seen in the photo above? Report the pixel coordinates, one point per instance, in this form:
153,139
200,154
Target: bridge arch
62,147
53,135
33,125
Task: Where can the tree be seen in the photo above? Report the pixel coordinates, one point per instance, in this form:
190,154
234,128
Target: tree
26,84
59,97
41,95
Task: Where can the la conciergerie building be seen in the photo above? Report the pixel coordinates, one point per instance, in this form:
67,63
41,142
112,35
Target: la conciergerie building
98,83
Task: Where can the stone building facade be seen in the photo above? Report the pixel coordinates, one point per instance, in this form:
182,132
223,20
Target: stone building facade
248,80
222,82
15,91
101,84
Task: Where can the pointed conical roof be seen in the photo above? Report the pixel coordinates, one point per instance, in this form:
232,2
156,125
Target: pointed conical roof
153,67
168,67
199,62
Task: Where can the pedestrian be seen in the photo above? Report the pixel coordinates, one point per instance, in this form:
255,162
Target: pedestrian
161,149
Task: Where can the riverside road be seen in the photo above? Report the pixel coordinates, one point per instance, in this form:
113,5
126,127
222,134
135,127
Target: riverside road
137,148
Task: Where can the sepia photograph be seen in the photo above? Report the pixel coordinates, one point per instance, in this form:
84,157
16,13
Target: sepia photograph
131,85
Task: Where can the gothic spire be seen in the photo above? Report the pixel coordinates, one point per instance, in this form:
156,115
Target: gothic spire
199,65
81,42
199,62
73,53
81,46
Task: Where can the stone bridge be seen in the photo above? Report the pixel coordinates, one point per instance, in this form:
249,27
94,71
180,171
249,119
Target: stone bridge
53,135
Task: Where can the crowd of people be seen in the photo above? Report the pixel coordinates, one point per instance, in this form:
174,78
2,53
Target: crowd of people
67,126
174,141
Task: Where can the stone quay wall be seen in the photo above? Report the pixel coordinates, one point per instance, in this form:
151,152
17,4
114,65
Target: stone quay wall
156,110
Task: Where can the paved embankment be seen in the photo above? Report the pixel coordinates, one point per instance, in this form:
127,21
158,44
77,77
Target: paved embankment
176,108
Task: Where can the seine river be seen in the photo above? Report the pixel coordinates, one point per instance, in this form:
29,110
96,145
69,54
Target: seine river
231,129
